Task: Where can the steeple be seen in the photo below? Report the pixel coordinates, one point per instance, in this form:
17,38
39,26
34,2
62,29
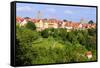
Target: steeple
39,15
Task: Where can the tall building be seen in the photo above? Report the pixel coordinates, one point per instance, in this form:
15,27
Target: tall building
83,21
39,15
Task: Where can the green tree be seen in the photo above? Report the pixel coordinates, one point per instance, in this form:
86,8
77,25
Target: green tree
31,25
91,43
45,33
92,32
91,22
65,20
24,39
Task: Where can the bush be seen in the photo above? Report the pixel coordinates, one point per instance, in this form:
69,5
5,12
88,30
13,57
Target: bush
24,39
45,33
30,25
53,45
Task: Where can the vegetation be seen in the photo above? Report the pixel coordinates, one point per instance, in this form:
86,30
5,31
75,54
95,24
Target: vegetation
31,25
91,22
53,45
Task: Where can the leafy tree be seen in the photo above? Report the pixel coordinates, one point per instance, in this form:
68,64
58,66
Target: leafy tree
90,22
65,20
71,37
92,32
24,39
63,33
45,33
31,25
91,43
26,17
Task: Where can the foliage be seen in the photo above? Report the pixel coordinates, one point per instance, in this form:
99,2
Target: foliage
24,39
53,45
65,20
92,32
31,25
90,22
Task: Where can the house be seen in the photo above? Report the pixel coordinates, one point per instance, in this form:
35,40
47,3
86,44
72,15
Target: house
68,25
45,23
39,24
23,22
42,24
60,24
88,54
19,19
52,23
63,24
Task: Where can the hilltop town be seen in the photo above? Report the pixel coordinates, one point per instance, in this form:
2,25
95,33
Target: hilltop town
42,24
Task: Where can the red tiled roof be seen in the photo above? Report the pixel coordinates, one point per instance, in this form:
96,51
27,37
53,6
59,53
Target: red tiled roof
59,22
88,53
19,19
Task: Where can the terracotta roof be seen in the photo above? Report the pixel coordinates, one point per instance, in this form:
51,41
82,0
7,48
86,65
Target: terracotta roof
19,19
88,53
59,22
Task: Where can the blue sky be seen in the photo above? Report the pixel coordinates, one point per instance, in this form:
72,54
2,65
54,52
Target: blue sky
71,13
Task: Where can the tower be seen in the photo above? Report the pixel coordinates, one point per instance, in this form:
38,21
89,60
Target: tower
82,21
39,15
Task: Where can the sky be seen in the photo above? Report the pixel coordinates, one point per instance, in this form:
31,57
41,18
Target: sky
71,13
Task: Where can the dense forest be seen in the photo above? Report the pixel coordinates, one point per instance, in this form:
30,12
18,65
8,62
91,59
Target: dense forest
53,45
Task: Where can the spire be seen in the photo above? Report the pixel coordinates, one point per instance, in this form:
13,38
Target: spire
39,15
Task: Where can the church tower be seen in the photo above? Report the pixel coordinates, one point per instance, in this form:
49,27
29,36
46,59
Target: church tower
39,15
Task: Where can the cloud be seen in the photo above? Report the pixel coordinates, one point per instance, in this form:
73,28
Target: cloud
53,10
24,8
68,12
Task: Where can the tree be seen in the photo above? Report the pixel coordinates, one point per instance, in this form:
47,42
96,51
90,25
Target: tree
63,33
45,33
92,32
71,37
31,25
91,43
26,18
90,22
65,20
24,39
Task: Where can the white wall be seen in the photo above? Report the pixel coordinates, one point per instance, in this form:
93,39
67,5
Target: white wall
5,34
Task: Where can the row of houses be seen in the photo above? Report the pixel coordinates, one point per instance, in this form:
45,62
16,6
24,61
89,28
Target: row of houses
42,24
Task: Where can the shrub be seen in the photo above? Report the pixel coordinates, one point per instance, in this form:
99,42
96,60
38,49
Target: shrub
30,25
